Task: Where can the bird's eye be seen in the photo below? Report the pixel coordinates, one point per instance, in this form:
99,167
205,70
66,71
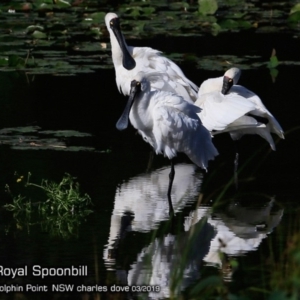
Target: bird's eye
138,83
111,23
230,80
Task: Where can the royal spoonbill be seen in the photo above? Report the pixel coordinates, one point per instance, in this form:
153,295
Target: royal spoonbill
168,123
257,120
129,61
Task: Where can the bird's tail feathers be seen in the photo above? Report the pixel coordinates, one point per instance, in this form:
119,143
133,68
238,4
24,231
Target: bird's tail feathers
263,132
275,127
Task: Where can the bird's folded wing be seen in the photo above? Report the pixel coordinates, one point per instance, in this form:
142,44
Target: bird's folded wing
219,110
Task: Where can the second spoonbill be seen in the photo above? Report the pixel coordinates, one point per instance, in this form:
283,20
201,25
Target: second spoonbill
255,120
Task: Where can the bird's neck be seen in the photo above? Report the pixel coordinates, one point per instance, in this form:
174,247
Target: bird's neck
211,85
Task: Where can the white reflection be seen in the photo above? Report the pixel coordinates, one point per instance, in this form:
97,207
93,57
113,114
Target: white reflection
172,260
234,232
141,203
208,238
241,229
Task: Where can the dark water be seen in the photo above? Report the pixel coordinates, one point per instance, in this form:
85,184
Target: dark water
128,238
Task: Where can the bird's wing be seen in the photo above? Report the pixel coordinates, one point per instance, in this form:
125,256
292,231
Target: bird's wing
150,60
260,109
242,91
273,123
177,128
219,110
242,123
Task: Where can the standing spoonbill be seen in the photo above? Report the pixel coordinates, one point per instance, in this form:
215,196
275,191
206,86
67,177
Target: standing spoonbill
129,61
228,107
257,120
168,123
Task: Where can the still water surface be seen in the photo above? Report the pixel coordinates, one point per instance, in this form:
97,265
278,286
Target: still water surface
128,239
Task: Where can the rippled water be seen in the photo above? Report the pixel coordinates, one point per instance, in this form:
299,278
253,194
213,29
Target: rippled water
129,239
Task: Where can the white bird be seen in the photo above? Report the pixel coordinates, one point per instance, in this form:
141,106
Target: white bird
129,61
222,100
168,123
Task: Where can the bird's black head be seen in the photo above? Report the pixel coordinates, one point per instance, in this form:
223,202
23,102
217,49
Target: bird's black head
115,23
227,84
135,85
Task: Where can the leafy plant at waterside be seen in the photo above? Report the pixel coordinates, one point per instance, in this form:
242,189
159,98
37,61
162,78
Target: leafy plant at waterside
273,63
22,211
285,274
63,197
60,214
294,17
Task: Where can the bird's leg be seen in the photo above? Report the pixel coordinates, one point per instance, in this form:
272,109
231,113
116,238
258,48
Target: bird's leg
171,178
236,165
150,161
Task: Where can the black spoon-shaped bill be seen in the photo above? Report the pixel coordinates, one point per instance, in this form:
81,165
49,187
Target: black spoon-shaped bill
127,61
123,121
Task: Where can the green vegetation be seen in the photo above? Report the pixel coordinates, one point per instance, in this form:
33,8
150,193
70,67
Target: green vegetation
69,37
60,210
34,138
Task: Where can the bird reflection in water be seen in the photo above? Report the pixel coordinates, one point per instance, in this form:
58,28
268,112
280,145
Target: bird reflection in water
141,202
241,229
231,233
210,237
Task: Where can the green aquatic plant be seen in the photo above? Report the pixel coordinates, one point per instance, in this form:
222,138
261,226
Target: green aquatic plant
285,275
34,138
68,37
272,64
63,197
59,211
294,16
207,7
22,211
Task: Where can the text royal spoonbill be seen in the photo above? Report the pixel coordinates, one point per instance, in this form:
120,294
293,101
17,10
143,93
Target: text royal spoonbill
168,123
258,120
129,61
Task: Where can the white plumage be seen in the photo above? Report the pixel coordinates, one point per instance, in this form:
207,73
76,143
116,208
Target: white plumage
129,61
220,111
239,229
168,123
227,106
